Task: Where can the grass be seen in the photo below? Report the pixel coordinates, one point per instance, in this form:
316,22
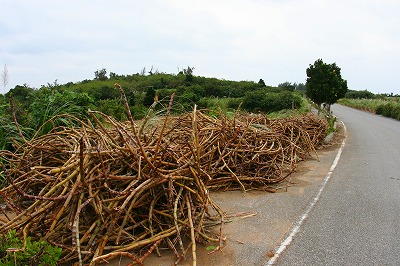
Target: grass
304,109
388,107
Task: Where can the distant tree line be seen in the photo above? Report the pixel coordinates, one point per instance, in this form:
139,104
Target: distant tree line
364,94
32,107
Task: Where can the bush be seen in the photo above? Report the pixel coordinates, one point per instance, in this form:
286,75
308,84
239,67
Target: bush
388,109
396,112
112,107
271,102
379,110
360,95
234,103
35,252
150,96
165,94
285,100
391,110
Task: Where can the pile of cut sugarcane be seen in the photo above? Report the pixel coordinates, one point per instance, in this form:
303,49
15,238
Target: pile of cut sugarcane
107,189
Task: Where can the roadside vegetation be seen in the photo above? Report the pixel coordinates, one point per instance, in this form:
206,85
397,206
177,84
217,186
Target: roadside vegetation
381,104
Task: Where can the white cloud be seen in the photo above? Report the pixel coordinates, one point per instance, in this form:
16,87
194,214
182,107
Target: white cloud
43,40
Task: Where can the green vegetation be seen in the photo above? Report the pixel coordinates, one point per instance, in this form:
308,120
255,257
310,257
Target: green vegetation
259,101
382,104
325,84
34,107
331,124
14,252
359,95
389,106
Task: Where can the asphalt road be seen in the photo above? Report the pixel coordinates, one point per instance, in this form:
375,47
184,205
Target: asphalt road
357,218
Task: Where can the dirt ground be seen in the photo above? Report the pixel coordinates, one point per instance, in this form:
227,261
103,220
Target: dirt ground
252,240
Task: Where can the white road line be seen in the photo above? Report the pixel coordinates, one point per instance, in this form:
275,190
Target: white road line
296,227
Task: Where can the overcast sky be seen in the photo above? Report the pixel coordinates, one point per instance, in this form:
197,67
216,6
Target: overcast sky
276,40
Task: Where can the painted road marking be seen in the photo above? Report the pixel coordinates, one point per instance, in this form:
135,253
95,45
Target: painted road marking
296,227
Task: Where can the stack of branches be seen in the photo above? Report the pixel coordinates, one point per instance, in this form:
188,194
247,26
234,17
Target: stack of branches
106,189
245,152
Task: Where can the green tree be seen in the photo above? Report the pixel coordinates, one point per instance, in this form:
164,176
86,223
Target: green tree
112,107
324,83
300,87
261,83
21,94
150,96
103,93
287,86
188,72
100,74
360,95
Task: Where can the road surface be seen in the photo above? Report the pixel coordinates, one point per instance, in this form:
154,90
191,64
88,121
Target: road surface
356,221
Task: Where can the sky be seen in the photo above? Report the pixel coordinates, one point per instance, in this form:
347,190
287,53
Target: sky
43,41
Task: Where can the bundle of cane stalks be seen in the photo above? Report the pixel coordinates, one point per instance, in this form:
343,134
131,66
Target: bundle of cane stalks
106,189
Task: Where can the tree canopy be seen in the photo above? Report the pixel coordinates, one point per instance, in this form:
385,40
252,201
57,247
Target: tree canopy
324,83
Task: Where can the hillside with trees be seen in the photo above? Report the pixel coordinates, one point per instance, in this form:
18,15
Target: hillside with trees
32,107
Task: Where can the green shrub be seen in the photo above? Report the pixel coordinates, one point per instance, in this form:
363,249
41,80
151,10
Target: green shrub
35,253
234,103
379,109
165,93
387,110
391,110
360,95
112,107
396,112
268,102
